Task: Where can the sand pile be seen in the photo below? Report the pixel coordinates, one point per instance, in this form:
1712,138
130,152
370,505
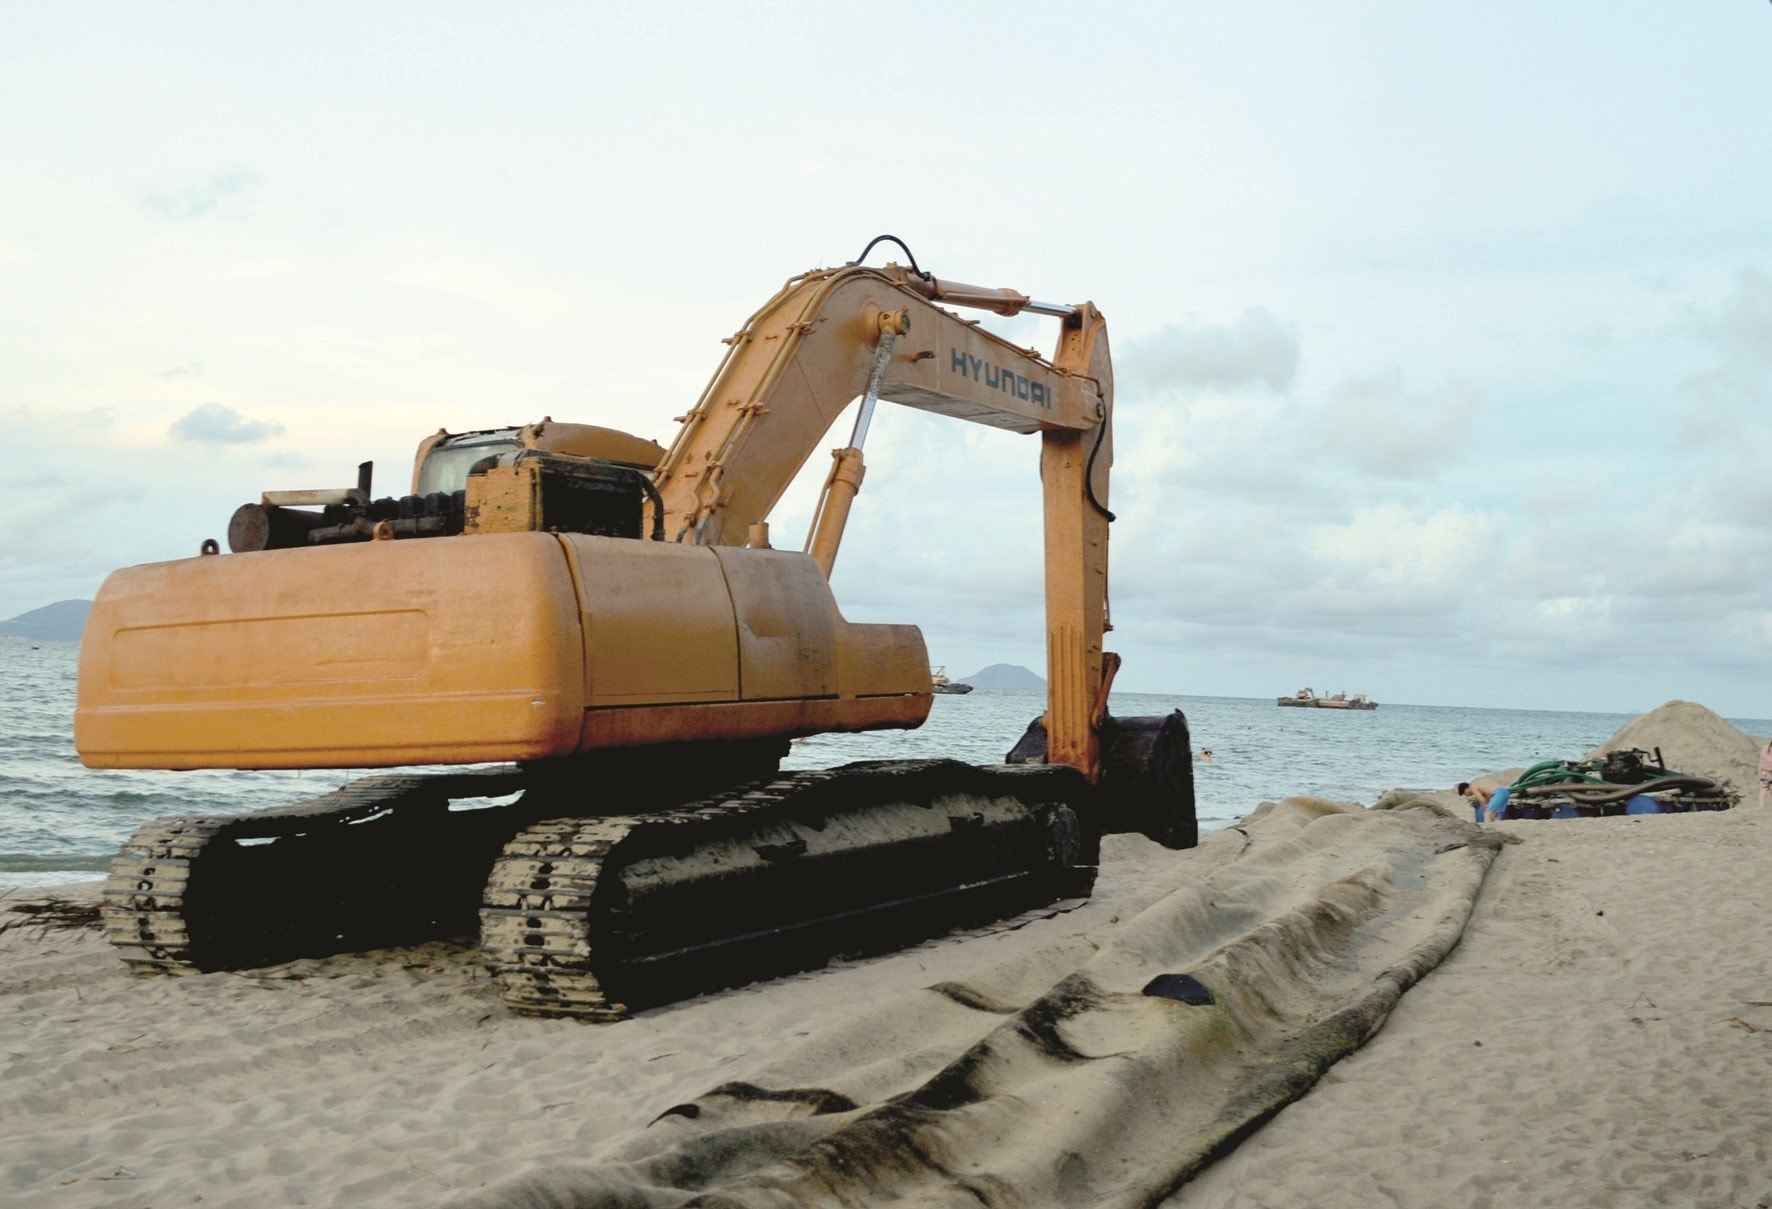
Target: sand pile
1692,739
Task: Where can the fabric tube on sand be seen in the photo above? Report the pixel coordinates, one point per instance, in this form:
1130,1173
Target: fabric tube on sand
1081,1074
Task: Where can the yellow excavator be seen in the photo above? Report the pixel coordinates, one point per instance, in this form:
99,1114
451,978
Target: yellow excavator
607,625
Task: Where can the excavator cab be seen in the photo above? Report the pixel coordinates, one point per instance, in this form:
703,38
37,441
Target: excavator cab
444,461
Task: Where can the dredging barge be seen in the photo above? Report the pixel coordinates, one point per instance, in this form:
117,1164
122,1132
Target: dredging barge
1309,700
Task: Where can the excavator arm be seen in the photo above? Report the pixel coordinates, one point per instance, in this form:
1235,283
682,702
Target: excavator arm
831,336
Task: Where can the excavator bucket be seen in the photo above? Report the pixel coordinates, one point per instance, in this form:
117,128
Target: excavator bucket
1147,776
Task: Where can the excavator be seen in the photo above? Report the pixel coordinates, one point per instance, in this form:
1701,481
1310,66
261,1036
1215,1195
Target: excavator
596,637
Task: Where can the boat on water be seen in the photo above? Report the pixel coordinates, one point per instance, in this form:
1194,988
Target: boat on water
938,680
1309,700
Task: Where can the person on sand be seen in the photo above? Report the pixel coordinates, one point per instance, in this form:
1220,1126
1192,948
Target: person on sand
1765,772
1487,796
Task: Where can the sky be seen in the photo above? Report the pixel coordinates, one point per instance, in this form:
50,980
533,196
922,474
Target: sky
1442,333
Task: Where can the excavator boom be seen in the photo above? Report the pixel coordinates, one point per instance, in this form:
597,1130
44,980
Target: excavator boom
813,348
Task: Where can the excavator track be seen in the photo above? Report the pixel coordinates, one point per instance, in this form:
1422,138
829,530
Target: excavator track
588,914
383,861
144,896
592,917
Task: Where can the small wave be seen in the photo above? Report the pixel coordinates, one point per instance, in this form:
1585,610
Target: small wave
24,862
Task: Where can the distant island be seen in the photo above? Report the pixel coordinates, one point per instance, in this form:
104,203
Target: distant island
63,621
1006,676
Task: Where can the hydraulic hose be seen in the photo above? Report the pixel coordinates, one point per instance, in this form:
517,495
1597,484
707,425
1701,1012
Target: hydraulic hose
1601,795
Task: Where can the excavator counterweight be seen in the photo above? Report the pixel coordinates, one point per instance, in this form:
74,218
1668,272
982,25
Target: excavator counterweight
595,616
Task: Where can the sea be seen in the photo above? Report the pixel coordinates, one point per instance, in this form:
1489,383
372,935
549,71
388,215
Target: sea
61,822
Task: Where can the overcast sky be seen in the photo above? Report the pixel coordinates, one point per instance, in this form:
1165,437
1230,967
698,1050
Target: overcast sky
1443,333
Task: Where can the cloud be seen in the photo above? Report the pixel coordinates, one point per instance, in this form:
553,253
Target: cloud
1256,350
486,283
1738,336
1742,326
91,417
1390,545
1745,498
213,424
1387,430
224,190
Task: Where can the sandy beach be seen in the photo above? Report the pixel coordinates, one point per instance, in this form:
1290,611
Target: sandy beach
1601,1036
1598,1032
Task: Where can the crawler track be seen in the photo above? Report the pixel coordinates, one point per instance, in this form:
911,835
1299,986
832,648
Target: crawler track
590,917
587,914
383,861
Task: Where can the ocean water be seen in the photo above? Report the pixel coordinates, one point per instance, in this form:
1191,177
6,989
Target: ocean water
61,822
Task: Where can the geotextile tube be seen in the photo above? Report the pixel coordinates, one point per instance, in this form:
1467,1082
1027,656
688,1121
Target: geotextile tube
1103,1069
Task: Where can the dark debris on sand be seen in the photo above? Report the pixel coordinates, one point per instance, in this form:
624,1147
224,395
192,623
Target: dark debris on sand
56,913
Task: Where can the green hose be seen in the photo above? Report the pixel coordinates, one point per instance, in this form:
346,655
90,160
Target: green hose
1547,772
